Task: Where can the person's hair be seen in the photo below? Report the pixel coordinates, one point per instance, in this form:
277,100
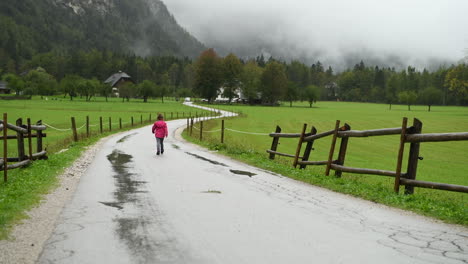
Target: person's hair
160,117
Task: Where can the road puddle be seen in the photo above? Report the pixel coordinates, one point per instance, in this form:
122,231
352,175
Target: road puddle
127,186
115,205
212,191
175,146
239,172
205,159
125,138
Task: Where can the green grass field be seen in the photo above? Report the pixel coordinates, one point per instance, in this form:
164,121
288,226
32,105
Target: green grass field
26,186
444,162
57,112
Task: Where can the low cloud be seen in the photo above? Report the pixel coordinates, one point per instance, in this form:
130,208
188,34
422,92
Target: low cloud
337,32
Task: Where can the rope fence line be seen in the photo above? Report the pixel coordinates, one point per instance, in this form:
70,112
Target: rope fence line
58,129
233,130
250,133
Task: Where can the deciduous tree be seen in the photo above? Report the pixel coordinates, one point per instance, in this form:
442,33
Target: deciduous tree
208,74
273,83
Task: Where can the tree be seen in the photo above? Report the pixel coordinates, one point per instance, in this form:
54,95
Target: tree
69,85
430,96
232,69
391,89
14,82
273,82
208,76
126,91
40,82
312,93
105,90
146,89
88,88
457,80
291,92
408,98
250,78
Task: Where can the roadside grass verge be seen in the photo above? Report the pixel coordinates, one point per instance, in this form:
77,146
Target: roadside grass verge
27,186
443,162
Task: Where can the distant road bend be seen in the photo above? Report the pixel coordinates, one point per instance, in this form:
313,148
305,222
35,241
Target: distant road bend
191,205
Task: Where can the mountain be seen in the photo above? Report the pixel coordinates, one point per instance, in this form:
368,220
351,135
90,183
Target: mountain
141,27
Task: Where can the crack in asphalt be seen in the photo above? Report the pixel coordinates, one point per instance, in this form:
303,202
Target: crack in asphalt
432,247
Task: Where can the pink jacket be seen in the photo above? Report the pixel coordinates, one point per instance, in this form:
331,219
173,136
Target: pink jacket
159,129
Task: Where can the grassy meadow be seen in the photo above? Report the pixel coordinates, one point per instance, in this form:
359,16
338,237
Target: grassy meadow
444,162
57,112
26,186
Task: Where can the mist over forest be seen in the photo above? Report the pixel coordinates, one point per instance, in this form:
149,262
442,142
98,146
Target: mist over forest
424,34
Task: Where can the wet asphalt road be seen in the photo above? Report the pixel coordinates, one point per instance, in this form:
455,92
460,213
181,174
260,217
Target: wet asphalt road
194,206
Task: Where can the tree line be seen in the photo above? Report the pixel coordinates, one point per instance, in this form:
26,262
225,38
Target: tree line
258,80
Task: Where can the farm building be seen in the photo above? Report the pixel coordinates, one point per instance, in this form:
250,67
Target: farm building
116,81
4,88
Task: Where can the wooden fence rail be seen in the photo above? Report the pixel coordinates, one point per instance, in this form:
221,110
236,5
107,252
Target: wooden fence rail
23,133
410,135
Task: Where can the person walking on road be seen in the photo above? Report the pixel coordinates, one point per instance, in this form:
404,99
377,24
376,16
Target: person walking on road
160,131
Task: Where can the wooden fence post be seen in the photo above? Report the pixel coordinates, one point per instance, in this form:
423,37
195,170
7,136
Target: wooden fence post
5,147
75,133
110,123
188,125
413,156
191,126
149,120
401,150
201,130
172,115
299,146
39,137
332,148
120,123
100,124
177,115
343,148
222,131
87,126
30,139
308,149
20,139
274,143
141,119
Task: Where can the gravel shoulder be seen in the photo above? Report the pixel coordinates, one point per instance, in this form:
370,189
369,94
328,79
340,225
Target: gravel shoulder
27,238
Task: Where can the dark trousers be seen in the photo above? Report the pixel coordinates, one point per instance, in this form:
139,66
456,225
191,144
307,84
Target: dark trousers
160,145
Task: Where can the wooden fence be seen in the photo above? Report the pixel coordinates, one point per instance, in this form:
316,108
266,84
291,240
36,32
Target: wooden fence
107,125
23,131
411,135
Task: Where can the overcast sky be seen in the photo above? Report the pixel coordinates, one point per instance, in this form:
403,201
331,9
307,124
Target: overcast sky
409,31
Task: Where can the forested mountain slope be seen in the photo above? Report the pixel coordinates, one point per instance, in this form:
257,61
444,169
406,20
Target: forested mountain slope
141,27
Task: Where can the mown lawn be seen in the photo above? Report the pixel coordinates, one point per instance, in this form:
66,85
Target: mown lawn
26,187
444,162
